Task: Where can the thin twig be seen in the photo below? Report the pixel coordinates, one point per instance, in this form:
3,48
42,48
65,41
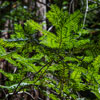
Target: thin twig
4,94
15,40
44,71
50,28
21,93
30,95
85,13
15,91
70,6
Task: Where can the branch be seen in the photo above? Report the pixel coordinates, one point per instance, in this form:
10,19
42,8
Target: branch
70,6
50,28
85,13
43,3
15,40
15,91
21,93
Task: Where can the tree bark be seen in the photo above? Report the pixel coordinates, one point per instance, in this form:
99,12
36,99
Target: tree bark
41,12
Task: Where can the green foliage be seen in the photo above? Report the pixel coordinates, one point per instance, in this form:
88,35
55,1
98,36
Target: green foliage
8,75
60,61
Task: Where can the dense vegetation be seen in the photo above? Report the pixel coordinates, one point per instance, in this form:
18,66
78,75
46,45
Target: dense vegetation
61,64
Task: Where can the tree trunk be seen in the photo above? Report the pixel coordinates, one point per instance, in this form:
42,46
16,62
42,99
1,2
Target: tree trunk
41,12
